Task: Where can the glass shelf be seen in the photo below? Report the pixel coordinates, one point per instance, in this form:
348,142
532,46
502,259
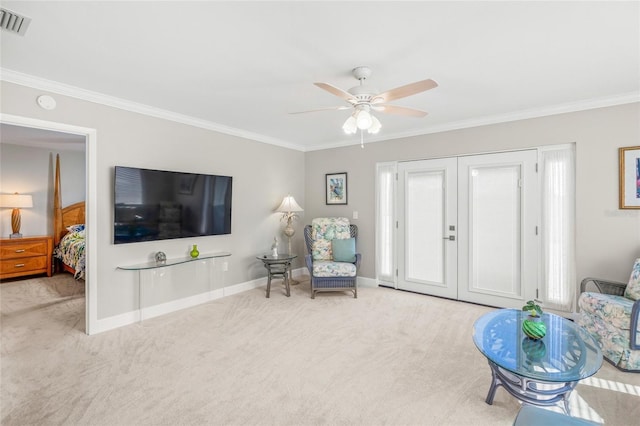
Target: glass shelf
170,262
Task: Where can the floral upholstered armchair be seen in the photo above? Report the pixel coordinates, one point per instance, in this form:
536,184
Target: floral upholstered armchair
331,255
611,315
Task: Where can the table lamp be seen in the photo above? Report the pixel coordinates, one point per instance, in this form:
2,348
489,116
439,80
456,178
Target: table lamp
289,209
16,202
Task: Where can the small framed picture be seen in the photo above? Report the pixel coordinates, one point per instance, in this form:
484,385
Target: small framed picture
336,186
629,177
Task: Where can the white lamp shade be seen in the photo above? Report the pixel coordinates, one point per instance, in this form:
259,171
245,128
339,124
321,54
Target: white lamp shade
16,201
375,125
289,205
364,120
350,126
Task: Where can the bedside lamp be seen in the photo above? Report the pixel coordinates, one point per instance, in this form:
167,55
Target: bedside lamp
16,202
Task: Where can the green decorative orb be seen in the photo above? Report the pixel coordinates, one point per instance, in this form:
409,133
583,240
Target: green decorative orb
534,329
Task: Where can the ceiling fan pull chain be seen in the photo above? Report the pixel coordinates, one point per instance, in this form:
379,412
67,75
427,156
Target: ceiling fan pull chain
361,138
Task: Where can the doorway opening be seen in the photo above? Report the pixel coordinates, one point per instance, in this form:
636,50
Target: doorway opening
87,136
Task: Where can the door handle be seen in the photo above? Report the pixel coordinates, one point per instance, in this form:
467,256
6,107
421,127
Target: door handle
450,238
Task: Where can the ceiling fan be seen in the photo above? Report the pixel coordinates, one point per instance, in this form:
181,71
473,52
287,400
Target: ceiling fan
364,99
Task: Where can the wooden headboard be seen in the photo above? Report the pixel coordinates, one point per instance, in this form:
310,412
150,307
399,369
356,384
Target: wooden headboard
64,217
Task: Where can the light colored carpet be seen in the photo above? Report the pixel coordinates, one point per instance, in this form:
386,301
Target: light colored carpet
386,358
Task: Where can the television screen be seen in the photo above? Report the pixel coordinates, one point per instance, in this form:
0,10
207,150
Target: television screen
159,205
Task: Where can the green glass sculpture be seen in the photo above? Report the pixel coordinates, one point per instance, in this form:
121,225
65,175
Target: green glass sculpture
534,349
194,252
533,326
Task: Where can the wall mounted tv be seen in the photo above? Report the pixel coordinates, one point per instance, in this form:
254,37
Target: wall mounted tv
159,205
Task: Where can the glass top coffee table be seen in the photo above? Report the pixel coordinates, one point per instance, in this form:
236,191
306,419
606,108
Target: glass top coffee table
278,267
539,372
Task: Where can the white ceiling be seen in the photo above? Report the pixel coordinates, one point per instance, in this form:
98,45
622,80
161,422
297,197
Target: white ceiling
241,67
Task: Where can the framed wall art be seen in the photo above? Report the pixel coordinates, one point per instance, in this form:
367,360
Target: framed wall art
629,177
336,188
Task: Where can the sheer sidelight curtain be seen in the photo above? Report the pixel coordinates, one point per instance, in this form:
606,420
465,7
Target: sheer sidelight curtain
385,223
558,227
557,282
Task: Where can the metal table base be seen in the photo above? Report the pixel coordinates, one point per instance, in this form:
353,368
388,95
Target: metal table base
533,392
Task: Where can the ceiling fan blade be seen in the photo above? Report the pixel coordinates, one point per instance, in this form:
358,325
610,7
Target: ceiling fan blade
337,92
337,108
398,110
404,91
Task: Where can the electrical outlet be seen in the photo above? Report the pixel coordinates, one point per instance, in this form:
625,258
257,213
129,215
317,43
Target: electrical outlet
225,266
355,215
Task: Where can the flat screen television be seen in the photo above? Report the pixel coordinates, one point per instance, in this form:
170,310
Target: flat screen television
159,205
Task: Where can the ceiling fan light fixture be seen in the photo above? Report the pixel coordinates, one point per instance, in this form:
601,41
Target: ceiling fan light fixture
364,99
364,119
375,126
350,127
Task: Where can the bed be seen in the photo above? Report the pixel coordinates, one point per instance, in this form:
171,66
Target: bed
68,232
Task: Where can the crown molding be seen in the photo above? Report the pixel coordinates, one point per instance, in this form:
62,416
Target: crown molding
582,105
22,79
87,95
569,107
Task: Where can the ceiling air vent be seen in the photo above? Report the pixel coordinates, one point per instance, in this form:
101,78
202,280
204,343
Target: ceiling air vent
12,22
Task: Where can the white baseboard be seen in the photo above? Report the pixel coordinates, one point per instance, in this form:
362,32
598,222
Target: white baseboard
367,282
176,305
128,318
246,286
116,321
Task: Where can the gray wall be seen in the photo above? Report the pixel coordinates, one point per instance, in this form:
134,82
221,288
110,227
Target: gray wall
607,239
262,175
30,170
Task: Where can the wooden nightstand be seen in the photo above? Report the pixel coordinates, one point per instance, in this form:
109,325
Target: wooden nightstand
25,256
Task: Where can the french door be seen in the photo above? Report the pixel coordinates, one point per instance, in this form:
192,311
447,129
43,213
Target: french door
467,227
427,250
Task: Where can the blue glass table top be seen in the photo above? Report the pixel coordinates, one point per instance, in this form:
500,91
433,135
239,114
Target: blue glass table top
280,258
566,353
